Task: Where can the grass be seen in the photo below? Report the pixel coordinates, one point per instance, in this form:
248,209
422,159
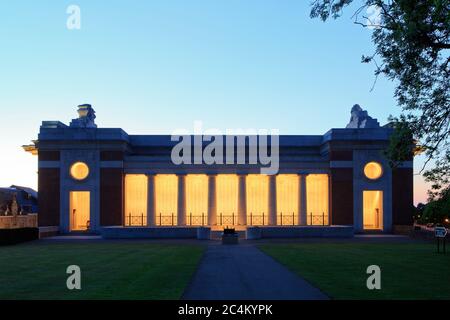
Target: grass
408,271
128,270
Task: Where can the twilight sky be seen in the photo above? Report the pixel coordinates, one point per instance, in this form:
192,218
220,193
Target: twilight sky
156,66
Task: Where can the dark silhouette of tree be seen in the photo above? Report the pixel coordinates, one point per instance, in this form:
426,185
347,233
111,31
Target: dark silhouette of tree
412,42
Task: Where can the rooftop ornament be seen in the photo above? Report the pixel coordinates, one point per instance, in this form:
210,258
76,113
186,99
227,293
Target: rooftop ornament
86,117
361,119
14,206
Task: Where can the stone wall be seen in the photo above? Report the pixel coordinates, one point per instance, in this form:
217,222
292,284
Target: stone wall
15,222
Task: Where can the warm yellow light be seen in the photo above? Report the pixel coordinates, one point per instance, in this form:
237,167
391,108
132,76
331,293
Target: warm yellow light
79,171
227,194
287,199
373,170
166,197
197,199
257,199
79,210
136,186
373,210
317,199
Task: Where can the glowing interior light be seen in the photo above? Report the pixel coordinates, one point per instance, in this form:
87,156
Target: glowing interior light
287,199
373,170
79,210
373,210
257,199
317,199
136,186
227,194
197,199
166,197
79,171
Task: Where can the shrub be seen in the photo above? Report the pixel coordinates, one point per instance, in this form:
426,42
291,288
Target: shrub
437,211
13,236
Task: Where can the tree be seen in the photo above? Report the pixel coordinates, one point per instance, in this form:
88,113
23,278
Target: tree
437,211
412,42
418,211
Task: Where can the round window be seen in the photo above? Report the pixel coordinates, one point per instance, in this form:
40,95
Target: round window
373,170
79,171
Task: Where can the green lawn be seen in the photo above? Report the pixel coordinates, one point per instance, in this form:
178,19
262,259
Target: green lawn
128,270
408,271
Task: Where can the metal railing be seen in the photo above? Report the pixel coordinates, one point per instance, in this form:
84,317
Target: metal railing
139,221
225,220
166,220
317,219
252,220
257,219
196,220
287,219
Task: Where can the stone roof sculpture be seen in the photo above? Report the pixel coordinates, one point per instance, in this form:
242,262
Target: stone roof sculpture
361,119
14,205
86,117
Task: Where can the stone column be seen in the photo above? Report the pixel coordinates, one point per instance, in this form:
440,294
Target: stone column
181,204
212,202
272,200
151,200
302,217
329,217
242,200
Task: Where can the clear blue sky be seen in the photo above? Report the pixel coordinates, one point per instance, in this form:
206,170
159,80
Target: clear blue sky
155,66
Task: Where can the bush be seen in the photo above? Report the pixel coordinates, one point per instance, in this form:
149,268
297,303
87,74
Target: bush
418,212
437,211
13,236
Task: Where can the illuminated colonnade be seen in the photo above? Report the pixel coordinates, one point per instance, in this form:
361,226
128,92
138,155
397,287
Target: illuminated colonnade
226,199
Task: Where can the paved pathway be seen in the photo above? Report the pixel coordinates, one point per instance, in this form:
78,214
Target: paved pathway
243,272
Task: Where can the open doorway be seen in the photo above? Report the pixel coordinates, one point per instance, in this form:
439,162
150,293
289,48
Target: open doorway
80,210
373,210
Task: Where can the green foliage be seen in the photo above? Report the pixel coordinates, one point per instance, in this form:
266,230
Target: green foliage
436,211
400,147
439,176
412,38
418,212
